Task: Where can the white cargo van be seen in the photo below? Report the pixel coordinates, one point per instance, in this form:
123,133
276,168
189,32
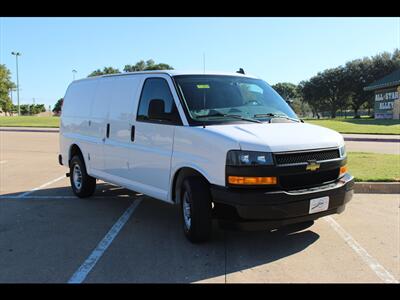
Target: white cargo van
222,146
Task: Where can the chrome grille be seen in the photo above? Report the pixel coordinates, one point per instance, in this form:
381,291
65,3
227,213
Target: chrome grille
303,157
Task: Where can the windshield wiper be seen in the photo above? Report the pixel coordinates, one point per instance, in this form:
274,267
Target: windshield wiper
273,116
229,116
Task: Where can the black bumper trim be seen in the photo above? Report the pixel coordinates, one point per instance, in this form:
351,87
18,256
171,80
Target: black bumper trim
274,224
278,208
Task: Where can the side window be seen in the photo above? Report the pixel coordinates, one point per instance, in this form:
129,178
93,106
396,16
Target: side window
156,103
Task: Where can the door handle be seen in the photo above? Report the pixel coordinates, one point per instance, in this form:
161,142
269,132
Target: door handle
108,130
132,133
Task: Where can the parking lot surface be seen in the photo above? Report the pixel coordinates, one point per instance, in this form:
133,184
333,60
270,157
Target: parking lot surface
119,236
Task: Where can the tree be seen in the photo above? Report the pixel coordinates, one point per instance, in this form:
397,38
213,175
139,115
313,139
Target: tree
358,77
139,66
310,92
106,70
148,65
334,89
290,91
341,87
287,90
301,108
38,108
328,90
58,106
6,85
32,109
362,72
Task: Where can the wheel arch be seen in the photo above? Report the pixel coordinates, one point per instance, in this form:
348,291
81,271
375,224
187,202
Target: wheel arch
74,149
179,175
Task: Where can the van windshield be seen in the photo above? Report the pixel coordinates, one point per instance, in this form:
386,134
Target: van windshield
220,98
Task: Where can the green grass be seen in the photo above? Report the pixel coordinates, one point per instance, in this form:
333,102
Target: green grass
29,121
374,166
368,126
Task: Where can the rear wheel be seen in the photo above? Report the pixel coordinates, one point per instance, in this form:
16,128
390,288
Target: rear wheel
196,209
82,184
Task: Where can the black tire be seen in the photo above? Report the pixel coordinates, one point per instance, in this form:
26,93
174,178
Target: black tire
87,183
197,191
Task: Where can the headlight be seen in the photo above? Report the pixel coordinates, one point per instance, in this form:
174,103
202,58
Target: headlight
342,151
248,158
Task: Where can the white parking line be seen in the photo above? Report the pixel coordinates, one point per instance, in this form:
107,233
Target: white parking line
40,187
11,197
37,197
80,275
379,270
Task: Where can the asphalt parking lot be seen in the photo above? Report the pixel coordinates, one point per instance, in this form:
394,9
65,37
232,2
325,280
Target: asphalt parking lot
47,235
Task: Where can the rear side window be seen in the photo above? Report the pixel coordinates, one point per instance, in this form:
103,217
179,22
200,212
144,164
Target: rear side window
157,89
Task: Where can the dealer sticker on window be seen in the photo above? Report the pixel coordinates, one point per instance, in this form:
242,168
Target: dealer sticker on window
318,205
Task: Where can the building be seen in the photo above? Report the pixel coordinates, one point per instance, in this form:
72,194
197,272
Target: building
387,96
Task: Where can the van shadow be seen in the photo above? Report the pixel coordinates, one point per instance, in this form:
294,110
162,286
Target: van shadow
103,190
151,247
155,249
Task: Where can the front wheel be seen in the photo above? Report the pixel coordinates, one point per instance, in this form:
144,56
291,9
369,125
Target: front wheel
196,209
82,184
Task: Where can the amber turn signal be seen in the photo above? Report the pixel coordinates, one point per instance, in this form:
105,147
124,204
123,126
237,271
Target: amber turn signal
343,170
239,180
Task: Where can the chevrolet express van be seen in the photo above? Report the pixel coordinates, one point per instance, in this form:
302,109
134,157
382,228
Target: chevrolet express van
221,146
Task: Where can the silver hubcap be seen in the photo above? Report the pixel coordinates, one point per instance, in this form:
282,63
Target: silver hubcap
77,176
187,217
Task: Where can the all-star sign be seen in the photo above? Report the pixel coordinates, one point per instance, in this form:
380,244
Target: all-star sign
386,96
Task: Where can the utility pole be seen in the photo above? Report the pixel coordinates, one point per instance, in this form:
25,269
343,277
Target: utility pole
204,62
16,59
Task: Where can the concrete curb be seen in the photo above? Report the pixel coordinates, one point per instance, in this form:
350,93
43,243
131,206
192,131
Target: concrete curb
33,129
377,188
355,139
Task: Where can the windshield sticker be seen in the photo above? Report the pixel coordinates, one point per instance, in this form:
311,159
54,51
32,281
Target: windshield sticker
203,86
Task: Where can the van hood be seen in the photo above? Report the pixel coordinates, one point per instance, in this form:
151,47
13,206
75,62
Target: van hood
277,137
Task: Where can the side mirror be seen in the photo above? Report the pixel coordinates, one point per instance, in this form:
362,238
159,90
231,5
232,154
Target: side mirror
157,110
289,101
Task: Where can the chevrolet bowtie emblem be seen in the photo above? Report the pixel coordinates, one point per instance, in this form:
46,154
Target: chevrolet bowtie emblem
312,166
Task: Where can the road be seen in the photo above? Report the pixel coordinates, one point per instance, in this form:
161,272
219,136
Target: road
388,144
48,235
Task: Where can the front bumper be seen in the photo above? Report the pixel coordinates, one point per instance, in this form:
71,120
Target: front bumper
254,209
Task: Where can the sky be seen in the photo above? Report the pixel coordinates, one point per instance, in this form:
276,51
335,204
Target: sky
275,49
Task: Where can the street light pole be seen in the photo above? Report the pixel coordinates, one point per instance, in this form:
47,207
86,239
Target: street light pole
73,74
16,59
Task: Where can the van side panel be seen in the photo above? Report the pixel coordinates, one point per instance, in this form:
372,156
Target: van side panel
202,150
74,125
98,117
121,117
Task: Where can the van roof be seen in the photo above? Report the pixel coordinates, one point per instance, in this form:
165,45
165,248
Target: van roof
172,73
